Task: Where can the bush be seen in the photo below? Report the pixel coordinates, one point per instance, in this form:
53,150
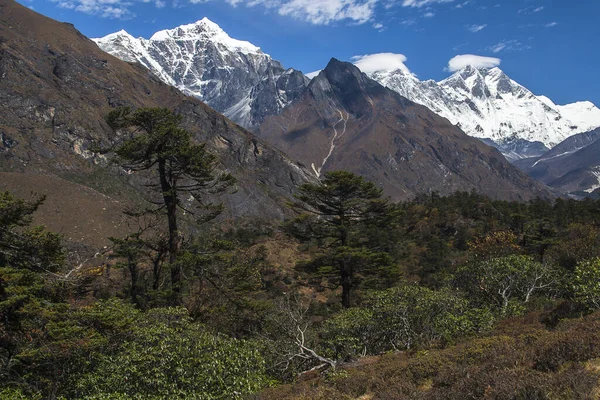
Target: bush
506,282
171,357
586,283
403,318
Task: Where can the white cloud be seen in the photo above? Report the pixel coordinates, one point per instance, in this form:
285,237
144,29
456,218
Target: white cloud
461,61
477,28
551,24
370,63
530,10
463,4
317,12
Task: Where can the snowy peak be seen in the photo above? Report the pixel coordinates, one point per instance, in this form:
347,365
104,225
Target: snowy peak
205,29
232,76
117,35
488,104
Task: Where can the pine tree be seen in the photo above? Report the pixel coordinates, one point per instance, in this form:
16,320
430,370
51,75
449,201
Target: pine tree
156,142
335,212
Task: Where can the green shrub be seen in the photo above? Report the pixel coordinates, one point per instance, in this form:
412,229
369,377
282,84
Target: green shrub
586,283
169,357
403,318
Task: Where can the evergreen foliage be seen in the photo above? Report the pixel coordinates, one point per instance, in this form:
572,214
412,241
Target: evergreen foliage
458,288
155,141
334,213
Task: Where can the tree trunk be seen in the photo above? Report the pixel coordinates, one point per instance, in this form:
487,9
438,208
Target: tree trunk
134,279
346,275
156,272
345,269
170,200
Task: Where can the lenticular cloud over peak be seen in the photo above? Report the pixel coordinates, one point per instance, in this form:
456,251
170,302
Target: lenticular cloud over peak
370,63
461,61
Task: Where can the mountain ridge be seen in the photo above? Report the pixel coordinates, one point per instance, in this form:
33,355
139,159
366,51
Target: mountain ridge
56,87
487,104
232,76
483,102
345,120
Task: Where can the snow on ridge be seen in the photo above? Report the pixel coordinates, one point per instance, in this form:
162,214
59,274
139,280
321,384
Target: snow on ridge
203,61
205,29
486,103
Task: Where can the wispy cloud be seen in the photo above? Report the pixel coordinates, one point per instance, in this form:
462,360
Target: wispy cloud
317,12
508,45
530,10
461,61
423,3
113,9
463,4
477,28
551,24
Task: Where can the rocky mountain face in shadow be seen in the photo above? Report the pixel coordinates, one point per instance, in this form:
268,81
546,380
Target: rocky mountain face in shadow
572,167
344,120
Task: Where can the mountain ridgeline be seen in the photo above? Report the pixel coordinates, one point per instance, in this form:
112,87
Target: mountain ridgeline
572,167
347,121
232,76
485,103
238,79
248,86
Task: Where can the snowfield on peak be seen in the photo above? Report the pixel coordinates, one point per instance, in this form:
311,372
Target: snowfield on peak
232,76
487,104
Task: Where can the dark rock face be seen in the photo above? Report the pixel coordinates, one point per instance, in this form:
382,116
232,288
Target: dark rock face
572,166
56,86
234,77
345,120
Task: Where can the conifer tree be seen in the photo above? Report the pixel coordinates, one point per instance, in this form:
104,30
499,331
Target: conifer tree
156,142
335,212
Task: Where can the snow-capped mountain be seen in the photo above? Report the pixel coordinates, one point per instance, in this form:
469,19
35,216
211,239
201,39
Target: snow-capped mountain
487,104
232,76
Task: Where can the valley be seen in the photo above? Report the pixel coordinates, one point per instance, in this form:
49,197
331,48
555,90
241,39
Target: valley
183,217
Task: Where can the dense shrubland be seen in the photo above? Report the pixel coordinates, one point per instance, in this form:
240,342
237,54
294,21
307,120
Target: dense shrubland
459,294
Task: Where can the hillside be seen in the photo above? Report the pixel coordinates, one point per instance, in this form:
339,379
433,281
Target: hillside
56,87
521,360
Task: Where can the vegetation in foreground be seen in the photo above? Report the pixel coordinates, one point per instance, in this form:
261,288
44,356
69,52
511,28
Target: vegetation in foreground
456,296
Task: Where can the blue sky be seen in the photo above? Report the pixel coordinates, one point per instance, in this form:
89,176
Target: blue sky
549,46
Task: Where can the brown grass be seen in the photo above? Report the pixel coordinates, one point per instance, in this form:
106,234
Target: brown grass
522,360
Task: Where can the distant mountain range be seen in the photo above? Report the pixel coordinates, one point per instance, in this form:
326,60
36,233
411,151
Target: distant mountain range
237,79
345,120
487,104
56,87
572,167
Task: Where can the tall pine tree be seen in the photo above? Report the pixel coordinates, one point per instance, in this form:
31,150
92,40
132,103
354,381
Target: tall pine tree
335,213
156,142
